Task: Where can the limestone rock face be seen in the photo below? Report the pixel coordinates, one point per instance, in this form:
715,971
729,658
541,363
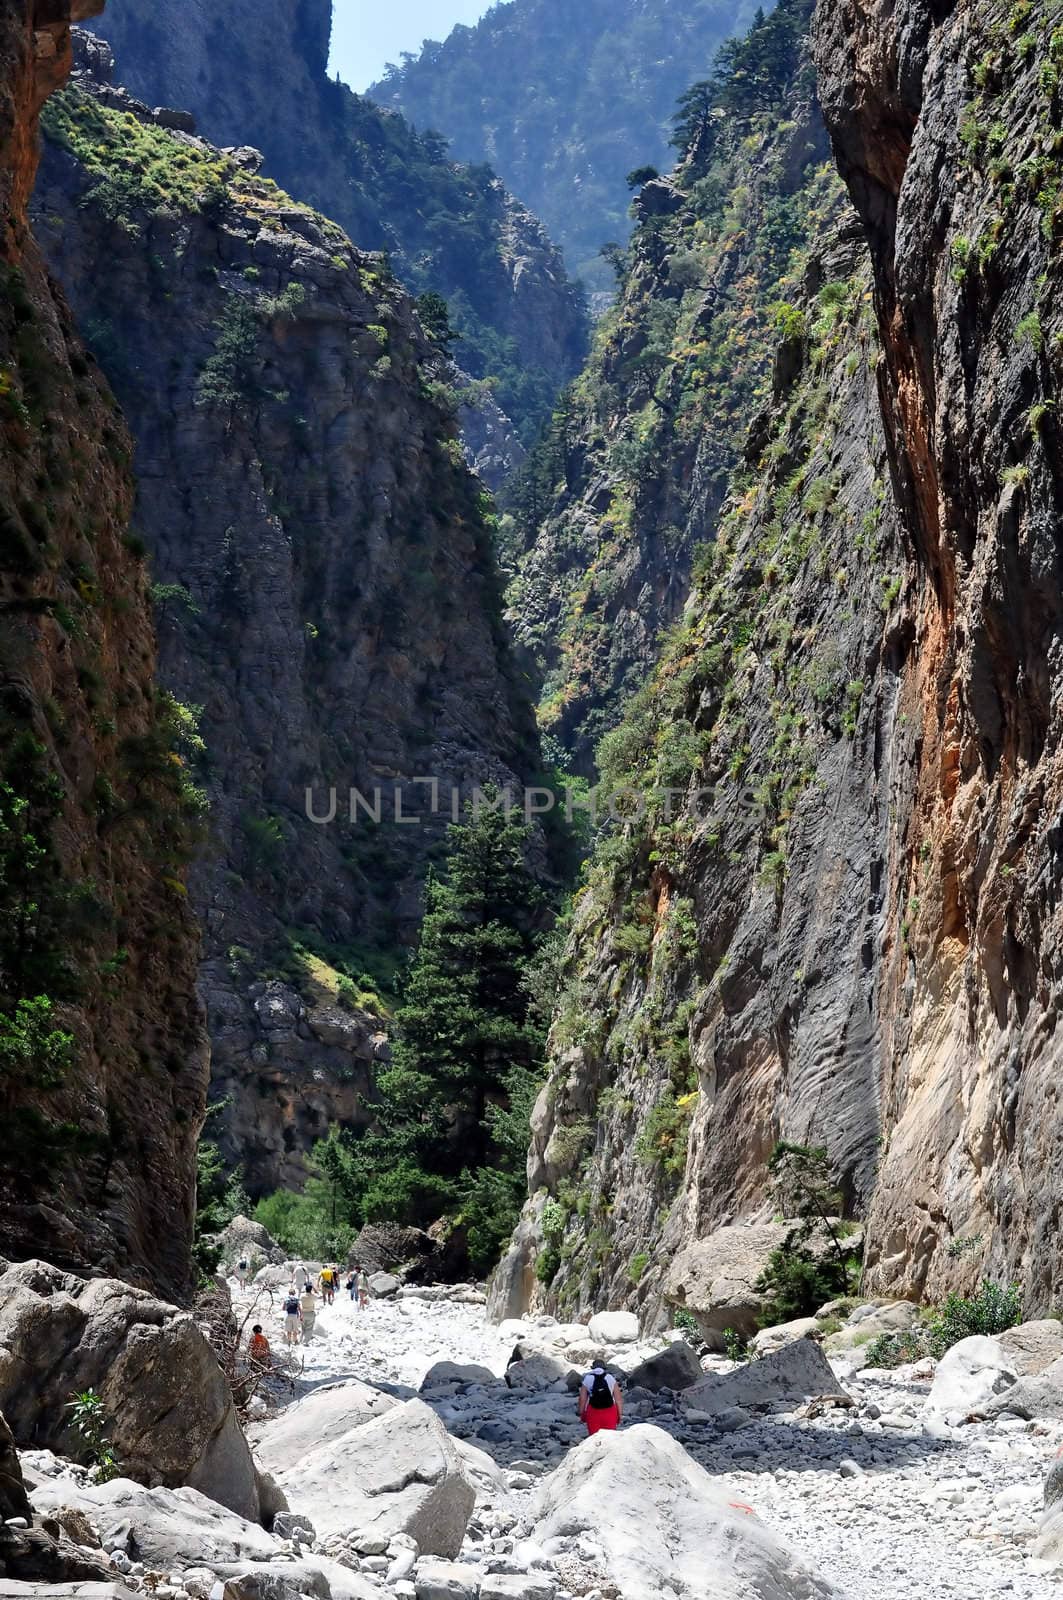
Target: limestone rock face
968,1086
97,1160
170,1414
857,940
664,1526
398,1473
326,589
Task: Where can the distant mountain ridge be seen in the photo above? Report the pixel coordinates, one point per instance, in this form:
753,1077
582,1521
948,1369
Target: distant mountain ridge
564,98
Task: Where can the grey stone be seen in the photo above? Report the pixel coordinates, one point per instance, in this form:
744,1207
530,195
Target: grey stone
675,1368
446,1580
172,1417
399,1473
797,1372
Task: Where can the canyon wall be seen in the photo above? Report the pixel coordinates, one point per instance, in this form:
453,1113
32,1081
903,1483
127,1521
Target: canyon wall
104,1058
854,941
324,580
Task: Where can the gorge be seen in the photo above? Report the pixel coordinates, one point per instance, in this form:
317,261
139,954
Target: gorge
309,481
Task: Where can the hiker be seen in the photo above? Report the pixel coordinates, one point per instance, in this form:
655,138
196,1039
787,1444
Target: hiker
601,1403
362,1280
302,1278
243,1271
352,1284
327,1281
258,1348
308,1308
293,1317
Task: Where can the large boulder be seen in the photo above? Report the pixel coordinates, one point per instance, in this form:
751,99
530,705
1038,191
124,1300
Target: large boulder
768,1340
968,1377
384,1285
535,1371
1049,1546
460,1372
1033,1397
319,1418
663,1526
799,1371
714,1277
245,1238
615,1327
399,1473
170,1411
675,1368
1032,1346
164,1528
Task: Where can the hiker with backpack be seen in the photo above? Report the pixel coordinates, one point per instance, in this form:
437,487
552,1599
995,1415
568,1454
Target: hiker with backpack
601,1402
327,1283
308,1307
293,1317
243,1271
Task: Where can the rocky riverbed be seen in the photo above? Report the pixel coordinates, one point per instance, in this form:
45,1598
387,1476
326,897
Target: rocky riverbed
419,1460
881,1500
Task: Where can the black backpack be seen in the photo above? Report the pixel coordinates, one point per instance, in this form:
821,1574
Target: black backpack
601,1396
291,1306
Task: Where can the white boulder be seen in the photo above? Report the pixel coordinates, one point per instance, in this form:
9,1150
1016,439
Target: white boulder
399,1473
615,1327
768,1340
663,1526
968,1377
327,1414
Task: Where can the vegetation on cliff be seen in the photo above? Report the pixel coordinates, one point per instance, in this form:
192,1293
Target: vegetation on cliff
605,518
564,97
447,228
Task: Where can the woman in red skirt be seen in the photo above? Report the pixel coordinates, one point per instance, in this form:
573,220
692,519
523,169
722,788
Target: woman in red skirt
601,1403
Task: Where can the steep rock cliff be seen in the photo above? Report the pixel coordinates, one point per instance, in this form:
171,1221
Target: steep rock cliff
255,74
104,1058
947,121
856,942
617,498
325,584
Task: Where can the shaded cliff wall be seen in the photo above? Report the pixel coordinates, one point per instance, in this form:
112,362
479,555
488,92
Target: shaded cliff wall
257,74
104,1055
324,579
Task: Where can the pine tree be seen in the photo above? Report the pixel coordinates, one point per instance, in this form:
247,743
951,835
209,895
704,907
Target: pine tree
463,1024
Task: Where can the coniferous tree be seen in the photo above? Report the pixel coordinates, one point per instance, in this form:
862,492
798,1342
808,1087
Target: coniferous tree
451,1125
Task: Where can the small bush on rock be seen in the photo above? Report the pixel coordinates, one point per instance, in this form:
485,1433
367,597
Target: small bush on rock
992,1310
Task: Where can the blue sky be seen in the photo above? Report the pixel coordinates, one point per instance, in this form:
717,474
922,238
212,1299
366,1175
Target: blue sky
366,34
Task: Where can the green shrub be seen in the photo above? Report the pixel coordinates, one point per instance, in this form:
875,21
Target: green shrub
686,1322
992,1310
897,1349
637,1265
90,1421
548,1264
796,1282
